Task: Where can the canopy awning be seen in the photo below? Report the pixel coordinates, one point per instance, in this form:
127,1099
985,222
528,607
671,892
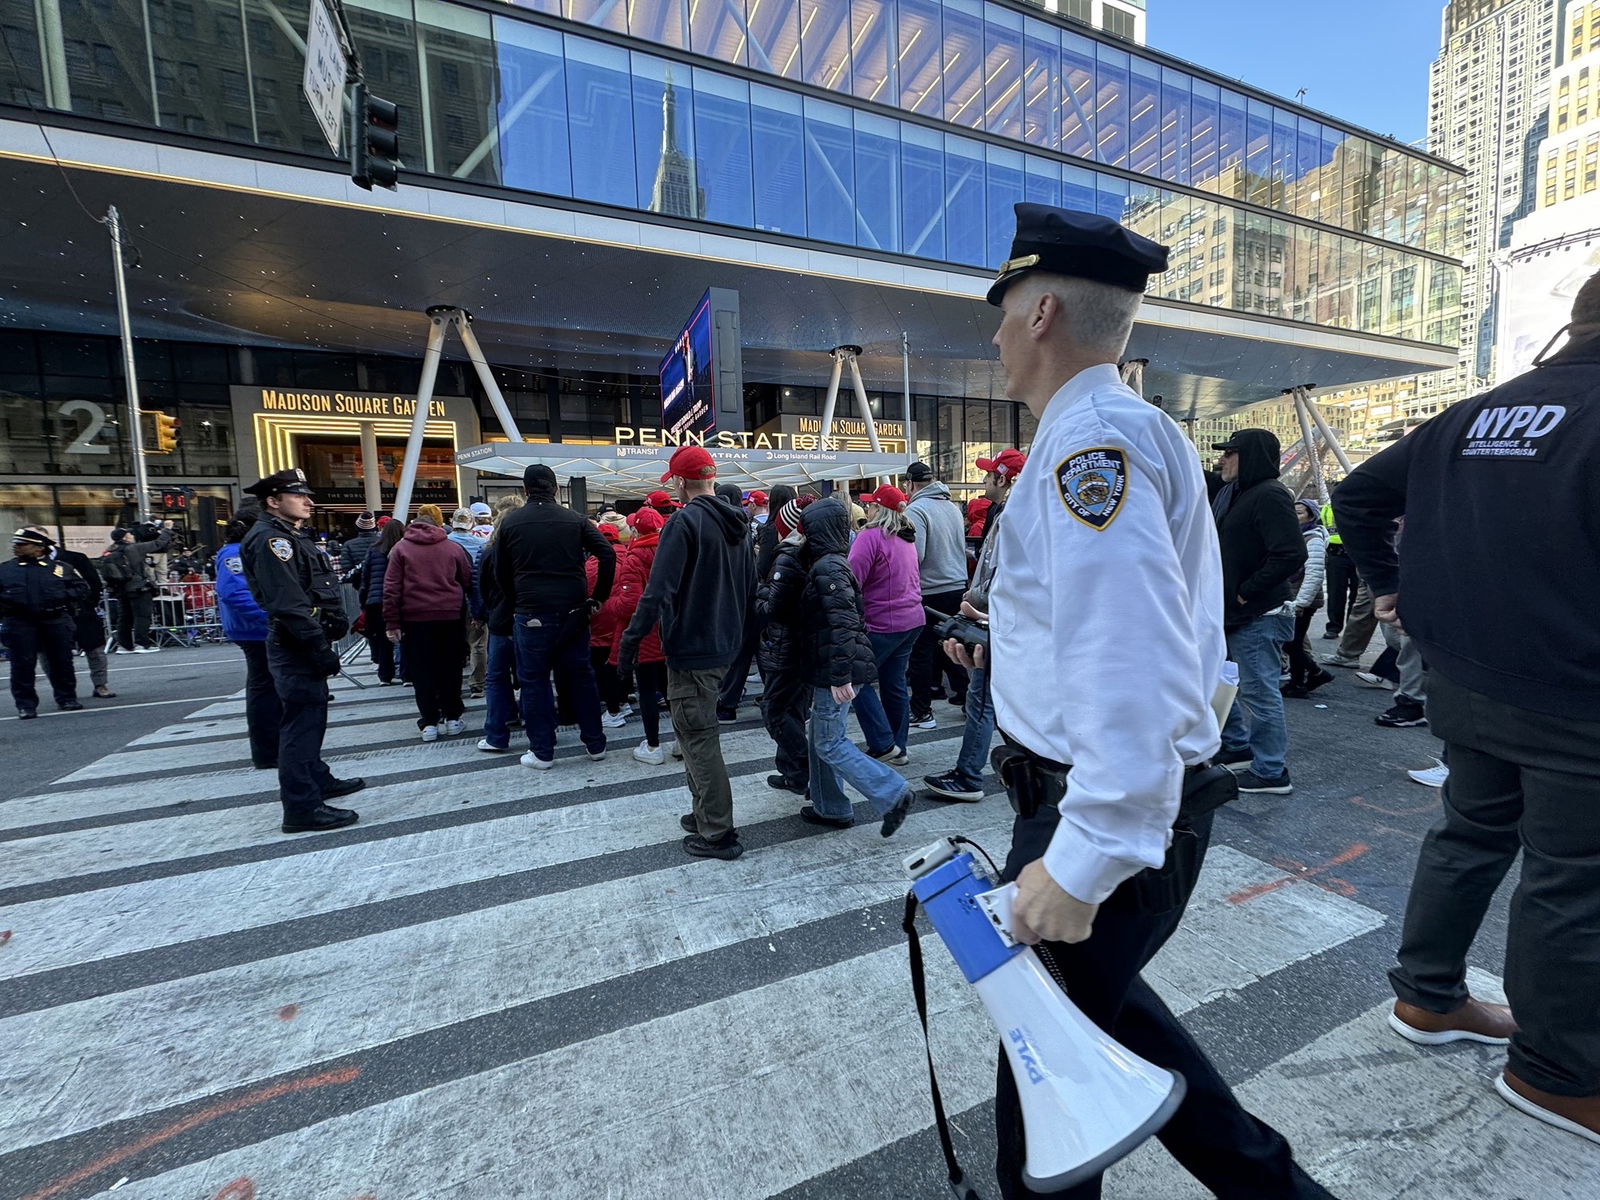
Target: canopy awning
640,468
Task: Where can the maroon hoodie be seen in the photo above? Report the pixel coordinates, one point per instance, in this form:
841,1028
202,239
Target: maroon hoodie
428,578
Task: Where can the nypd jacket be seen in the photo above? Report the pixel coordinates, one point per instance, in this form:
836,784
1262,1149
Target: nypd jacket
39,589
1499,569
294,582
242,618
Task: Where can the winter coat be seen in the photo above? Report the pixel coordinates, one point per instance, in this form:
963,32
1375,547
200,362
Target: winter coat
243,620
834,628
885,566
941,539
603,627
372,573
473,545
1310,594
89,631
137,556
780,650
353,556
633,576
542,548
497,601
428,578
1259,532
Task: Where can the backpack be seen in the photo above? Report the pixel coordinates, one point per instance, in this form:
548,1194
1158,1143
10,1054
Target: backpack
114,567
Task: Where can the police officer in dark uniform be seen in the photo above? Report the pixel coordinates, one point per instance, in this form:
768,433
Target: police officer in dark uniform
37,599
295,583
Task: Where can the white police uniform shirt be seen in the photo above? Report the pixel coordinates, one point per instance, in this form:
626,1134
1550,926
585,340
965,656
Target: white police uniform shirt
1106,624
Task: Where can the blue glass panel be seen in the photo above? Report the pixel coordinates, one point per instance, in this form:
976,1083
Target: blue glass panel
1176,115
1283,155
1041,85
601,14
921,65
1111,106
1042,182
722,142
1205,133
870,24
1004,193
825,43
1077,189
778,147
1230,149
922,191
663,139
877,188
775,37
830,173
1111,196
665,22
600,107
1002,72
1258,152
963,201
1144,117
716,29
1077,95
963,62
532,108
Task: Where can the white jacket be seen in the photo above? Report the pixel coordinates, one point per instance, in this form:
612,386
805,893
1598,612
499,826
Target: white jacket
1316,558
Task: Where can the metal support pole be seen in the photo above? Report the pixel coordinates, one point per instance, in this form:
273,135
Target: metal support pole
905,386
1327,431
861,399
831,402
1313,455
371,485
419,419
53,55
141,482
463,323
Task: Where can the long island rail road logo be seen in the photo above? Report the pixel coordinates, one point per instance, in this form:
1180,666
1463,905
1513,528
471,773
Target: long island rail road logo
1093,483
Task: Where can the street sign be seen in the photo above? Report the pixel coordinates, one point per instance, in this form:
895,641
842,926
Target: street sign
325,72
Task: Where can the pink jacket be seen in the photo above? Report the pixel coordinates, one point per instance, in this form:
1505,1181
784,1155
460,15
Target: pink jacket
428,579
885,566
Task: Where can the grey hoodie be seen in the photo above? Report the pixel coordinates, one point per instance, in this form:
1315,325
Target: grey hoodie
941,540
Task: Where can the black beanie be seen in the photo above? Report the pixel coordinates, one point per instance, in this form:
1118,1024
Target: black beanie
539,480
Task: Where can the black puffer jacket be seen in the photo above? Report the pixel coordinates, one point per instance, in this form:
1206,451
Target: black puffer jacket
781,650
835,630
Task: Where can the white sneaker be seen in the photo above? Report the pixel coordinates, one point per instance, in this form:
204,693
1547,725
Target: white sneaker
1433,776
595,755
489,747
147,649
902,758
928,722
1368,679
625,711
454,728
650,756
613,720
530,759
672,749
430,733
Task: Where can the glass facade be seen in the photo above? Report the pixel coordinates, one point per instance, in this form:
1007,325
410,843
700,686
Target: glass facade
1023,108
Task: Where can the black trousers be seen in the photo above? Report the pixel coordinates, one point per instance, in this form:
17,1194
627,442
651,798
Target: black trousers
929,664
1236,1155
133,619
612,693
302,775
436,654
1302,667
28,641
1519,780
732,690
1339,575
379,647
263,711
785,705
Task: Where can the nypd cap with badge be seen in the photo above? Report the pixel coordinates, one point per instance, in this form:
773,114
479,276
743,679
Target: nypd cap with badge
1063,241
291,480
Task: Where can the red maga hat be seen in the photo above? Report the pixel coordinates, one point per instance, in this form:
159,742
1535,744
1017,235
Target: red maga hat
691,462
757,497
646,520
1007,464
888,495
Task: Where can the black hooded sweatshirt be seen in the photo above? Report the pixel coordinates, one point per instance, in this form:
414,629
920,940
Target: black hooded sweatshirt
702,586
1262,546
1499,569
836,648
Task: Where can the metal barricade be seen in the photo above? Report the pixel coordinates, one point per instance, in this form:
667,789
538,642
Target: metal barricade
185,614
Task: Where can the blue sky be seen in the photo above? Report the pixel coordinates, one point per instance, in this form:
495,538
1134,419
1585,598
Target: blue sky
1365,61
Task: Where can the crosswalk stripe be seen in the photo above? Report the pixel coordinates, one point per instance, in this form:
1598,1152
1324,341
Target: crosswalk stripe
219,727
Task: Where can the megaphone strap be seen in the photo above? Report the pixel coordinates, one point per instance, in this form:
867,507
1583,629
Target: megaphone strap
919,989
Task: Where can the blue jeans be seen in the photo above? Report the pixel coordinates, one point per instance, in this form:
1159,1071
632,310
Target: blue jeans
887,722
834,757
497,699
538,656
1256,720
979,734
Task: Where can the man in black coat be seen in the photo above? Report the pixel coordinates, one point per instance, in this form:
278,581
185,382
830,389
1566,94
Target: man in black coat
1262,548
37,599
89,631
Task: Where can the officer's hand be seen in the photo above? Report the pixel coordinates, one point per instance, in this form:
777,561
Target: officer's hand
1044,911
325,660
1387,610
393,635
844,693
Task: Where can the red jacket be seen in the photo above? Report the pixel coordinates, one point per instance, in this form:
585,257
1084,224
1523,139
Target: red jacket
603,627
632,575
428,578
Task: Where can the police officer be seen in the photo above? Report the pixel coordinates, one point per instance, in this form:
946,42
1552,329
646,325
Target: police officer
1505,619
37,599
294,581
1109,604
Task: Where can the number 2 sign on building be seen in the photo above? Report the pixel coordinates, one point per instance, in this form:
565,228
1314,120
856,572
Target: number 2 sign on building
325,72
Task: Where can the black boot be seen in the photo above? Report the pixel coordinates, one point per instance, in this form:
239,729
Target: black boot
319,819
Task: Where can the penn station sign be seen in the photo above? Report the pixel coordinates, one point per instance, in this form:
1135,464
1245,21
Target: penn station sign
372,405
791,433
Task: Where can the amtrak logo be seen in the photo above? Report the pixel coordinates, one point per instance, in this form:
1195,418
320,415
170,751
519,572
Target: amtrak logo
281,547
1093,483
1512,431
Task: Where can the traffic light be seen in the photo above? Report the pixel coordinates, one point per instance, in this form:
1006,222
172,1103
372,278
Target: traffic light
166,432
175,501
374,140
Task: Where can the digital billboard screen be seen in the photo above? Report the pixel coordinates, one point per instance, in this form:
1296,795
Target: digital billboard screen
688,377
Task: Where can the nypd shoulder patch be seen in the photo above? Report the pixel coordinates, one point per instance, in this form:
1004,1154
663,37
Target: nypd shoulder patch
281,547
1093,483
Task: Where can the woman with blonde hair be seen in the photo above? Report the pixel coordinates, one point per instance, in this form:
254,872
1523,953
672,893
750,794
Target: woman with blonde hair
883,559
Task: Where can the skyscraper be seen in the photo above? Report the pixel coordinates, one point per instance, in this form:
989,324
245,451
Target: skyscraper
676,191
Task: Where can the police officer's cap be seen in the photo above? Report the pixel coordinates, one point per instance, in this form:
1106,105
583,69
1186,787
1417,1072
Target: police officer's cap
1080,244
32,537
291,480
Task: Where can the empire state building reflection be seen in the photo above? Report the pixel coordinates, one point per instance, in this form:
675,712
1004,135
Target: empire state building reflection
676,191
